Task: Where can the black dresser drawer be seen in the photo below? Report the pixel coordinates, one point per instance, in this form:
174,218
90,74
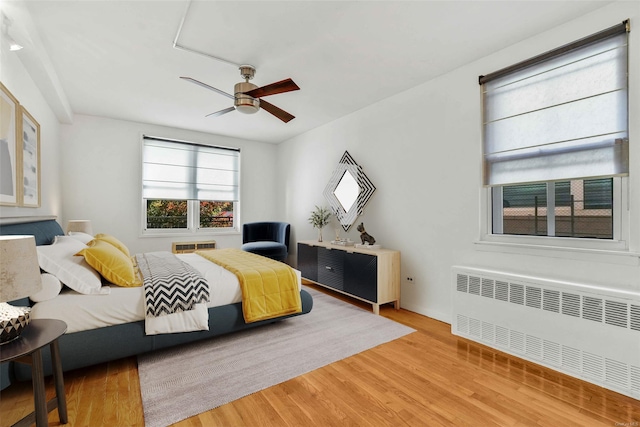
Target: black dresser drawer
361,276
308,261
331,268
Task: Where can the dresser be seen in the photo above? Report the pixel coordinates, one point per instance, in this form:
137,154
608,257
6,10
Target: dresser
372,275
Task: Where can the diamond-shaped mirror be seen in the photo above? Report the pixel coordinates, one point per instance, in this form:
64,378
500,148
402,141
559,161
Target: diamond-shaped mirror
348,191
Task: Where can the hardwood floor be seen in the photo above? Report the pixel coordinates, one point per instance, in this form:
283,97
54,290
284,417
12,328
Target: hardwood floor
427,378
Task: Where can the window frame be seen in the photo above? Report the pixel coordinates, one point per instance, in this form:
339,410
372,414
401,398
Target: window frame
529,244
620,241
193,207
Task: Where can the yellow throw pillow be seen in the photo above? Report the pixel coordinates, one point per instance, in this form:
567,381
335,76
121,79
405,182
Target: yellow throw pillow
111,263
113,241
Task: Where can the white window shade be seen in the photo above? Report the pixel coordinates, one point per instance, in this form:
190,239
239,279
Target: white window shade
185,171
564,117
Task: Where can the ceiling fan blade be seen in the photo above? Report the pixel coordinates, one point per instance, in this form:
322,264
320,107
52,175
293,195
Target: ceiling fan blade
286,85
278,112
206,86
221,112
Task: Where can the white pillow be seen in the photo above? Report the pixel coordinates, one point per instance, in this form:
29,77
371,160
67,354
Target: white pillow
83,237
59,260
51,287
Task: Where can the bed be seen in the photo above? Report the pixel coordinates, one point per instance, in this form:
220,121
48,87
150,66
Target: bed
110,324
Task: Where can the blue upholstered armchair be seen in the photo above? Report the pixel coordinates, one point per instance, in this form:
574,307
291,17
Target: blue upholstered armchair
269,239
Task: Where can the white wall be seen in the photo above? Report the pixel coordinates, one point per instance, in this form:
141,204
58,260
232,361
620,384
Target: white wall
16,78
102,179
422,150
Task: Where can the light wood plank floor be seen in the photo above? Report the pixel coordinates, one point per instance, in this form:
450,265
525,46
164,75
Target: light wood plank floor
427,378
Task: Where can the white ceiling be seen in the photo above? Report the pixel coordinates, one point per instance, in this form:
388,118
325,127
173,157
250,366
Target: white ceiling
116,58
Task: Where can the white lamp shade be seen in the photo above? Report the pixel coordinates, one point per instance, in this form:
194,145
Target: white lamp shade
80,225
19,269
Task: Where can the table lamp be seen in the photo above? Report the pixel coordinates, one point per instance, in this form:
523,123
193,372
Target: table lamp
80,225
19,278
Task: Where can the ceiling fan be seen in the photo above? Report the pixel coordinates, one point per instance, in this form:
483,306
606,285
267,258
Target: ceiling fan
247,96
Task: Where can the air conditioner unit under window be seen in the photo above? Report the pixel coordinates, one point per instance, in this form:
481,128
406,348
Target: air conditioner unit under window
187,247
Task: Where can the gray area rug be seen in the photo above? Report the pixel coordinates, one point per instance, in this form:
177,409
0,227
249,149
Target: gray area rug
180,382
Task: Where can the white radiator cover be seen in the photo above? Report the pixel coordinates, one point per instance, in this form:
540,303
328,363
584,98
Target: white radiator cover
588,332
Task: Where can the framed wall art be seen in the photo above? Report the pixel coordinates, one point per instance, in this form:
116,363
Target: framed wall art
9,153
29,147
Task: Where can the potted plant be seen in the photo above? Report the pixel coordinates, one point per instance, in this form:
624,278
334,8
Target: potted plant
319,218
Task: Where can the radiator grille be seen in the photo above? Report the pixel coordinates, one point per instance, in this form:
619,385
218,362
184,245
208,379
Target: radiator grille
487,332
551,300
571,304
616,373
571,358
593,365
534,346
502,336
615,313
635,317
502,290
534,297
487,288
517,341
462,283
592,309
188,247
551,352
600,310
517,294
474,285
579,308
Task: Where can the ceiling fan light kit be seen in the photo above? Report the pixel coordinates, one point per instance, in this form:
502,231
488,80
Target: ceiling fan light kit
244,103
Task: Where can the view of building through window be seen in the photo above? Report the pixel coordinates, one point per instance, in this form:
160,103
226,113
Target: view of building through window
174,214
582,208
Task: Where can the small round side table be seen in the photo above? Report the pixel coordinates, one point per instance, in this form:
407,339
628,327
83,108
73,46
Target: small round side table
28,349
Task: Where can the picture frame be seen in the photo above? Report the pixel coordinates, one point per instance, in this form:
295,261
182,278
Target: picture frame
10,165
29,154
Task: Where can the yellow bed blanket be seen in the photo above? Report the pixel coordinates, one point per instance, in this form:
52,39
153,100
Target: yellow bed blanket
269,288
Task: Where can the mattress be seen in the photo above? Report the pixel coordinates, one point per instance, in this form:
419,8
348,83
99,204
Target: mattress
124,305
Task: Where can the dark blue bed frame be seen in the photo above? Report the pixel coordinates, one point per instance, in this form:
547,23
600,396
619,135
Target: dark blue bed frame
86,348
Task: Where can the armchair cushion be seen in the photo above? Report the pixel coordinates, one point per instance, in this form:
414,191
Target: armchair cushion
273,250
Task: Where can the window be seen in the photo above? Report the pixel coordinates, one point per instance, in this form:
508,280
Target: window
555,141
189,187
580,208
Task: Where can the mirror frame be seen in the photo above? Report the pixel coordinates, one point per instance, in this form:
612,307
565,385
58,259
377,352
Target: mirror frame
366,190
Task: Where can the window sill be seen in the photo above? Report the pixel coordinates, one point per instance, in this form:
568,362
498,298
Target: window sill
608,255
188,233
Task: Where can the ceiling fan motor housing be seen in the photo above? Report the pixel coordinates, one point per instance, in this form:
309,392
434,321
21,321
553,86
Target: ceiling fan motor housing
245,103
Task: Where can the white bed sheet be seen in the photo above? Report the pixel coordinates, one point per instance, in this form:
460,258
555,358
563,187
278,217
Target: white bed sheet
124,305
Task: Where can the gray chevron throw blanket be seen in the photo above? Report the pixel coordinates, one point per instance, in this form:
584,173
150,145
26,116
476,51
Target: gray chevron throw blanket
170,284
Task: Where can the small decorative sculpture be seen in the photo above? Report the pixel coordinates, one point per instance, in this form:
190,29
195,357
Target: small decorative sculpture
367,239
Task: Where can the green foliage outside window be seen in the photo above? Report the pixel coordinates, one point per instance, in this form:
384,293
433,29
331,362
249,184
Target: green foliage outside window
174,214
216,214
166,214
